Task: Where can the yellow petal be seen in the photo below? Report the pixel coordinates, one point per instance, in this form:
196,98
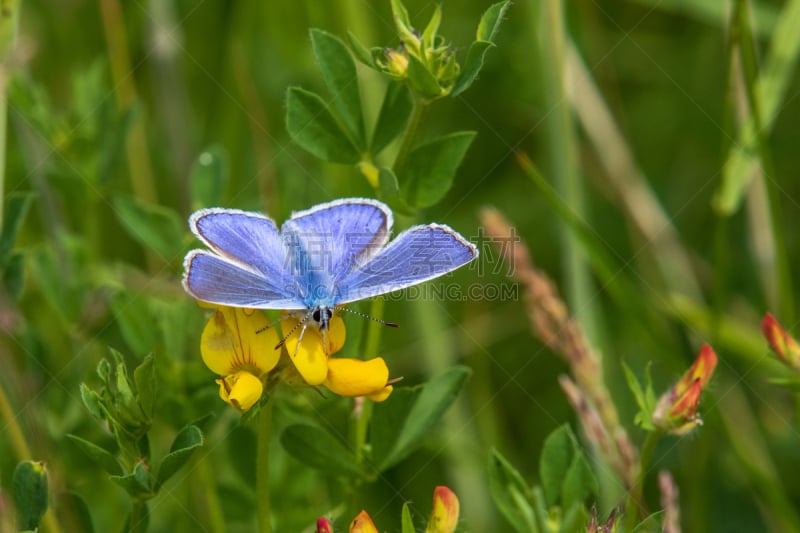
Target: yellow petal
363,524
241,389
311,357
382,394
230,341
354,377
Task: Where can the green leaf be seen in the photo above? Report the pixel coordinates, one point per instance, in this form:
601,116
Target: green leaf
472,66
396,109
400,11
511,494
317,448
135,321
312,126
653,522
14,275
340,76
575,519
156,227
186,442
557,455
407,523
138,484
99,455
209,177
144,376
484,40
421,80
16,207
490,21
389,192
645,397
777,72
403,420
433,26
74,513
361,52
579,482
427,173
30,493
92,401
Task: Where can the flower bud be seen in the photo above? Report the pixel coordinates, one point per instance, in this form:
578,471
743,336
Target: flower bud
240,389
324,525
363,524
444,517
676,410
783,344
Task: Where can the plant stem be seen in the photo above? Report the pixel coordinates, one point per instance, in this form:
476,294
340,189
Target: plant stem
11,428
411,132
139,519
8,38
371,345
262,467
564,162
21,449
782,283
635,503
216,520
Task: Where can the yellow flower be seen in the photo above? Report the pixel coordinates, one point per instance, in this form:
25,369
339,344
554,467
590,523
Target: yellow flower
346,377
236,346
354,377
311,357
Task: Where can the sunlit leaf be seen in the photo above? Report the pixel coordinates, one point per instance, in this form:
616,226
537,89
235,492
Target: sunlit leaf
317,448
186,442
427,173
402,421
339,72
511,494
395,111
312,126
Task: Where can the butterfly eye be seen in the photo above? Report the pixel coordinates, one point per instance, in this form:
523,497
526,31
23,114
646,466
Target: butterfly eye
316,315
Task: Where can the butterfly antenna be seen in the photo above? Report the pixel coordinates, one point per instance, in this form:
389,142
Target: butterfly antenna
279,319
364,315
302,322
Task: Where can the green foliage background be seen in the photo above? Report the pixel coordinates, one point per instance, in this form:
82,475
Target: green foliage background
110,173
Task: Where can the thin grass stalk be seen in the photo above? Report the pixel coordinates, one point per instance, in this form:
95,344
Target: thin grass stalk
741,31
263,507
564,161
629,184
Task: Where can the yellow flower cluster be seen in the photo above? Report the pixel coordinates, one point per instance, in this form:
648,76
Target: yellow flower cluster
242,348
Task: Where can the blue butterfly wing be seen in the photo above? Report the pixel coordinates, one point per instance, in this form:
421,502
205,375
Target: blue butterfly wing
418,254
215,279
251,264
337,235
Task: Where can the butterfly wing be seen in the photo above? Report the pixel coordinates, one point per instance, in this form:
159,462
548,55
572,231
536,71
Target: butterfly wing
337,235
418,254
250,267
211,278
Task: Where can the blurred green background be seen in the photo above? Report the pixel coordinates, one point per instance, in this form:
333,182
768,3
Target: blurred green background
115,107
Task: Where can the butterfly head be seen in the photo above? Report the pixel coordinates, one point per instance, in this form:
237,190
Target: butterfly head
321,316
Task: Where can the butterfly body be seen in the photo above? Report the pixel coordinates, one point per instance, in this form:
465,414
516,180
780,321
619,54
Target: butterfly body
331,254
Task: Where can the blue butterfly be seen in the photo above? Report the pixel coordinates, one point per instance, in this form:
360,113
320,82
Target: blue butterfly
331,254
